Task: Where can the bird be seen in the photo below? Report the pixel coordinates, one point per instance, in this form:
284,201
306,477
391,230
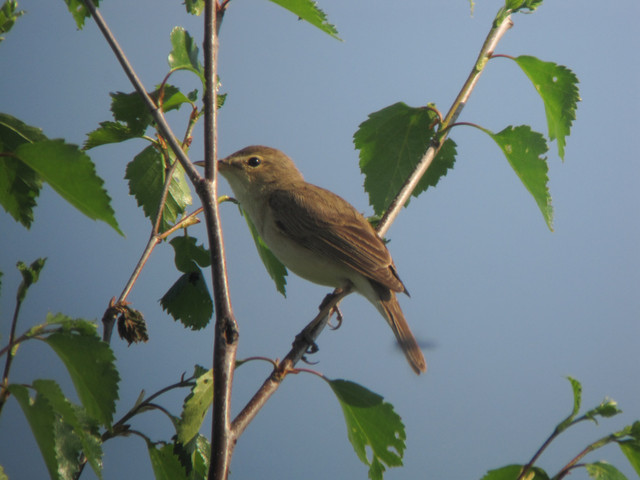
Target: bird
318,235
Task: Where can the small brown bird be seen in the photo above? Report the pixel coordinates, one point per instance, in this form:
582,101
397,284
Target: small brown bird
318,235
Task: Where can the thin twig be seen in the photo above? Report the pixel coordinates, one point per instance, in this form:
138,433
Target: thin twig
4,388
495,35
157,115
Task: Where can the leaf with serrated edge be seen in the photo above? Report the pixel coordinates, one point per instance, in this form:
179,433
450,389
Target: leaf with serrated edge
41,418
391,142
372,425
307,10
109,132
189,301
20,185
524,149
558,87
146,174
91,365
79,10
166,465
71,173
74,417
196,406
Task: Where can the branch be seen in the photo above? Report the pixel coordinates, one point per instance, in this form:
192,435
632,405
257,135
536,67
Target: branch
226,328
305,340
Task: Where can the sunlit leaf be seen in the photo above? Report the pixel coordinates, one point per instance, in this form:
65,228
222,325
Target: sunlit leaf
604,471
9,13
166,465
91,366
524,150
78,9
558,87
195,407
375,430
391,142
308,10
194,7
147,174
184,54
71,173
75,432
39,413
109,132
631,449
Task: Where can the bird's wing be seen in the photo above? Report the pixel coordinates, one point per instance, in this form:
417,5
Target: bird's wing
340,233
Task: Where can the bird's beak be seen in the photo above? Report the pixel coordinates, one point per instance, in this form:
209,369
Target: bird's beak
222,164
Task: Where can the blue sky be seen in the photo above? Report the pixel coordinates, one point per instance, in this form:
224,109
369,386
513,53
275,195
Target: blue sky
508,307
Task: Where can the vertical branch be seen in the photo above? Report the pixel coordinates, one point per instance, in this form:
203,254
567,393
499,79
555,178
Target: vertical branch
226,328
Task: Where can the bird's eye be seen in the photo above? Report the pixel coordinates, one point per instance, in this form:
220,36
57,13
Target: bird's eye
254,161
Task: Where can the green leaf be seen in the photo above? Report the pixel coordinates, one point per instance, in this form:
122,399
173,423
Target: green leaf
308,10
276,270
109,132
71,173
72,325
194,456
391,142
91,365
604,471
576,387
78,9
41,418
372,425
9,13
194,7
558,87
184,54
30,275
75,432
19,184
147,174
631,449
3,476
195,408
511,472
166,465
524,149
188,255
188,300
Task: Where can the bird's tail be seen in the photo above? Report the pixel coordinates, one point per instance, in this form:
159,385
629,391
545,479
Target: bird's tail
390,308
